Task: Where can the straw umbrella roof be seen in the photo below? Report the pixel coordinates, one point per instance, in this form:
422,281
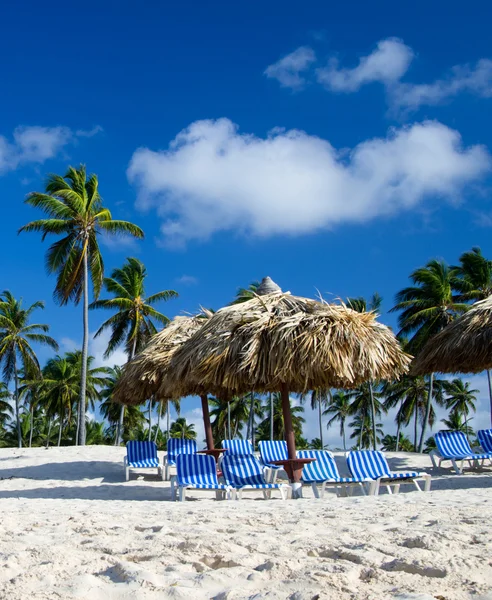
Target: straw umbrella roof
464,346
144,376
277,339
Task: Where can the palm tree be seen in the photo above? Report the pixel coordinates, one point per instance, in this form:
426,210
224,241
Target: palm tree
363,431
426,308
263,432
360,305
244,294
455,422
460,398
96,434
74,210
16,335
133,322
316,444
339,410
366,403
5,408
392,443
181,429
320,399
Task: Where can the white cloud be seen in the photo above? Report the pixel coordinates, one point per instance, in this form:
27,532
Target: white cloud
119,243
386,64
88,133
213,178
475,79
187,280
36,144
287,70
97,348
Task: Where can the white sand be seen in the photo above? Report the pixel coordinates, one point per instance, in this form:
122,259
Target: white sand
72,528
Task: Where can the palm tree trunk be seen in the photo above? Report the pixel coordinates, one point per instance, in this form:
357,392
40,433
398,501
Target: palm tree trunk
360,435
168,420
150,420
49,432
17,402
490,393
85,352
158,422
415,426
373,417
31,425
229,420
320,418
398,426
342,424
60,430
271,416
427,412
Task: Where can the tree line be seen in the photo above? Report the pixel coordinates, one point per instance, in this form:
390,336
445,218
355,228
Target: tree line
49,404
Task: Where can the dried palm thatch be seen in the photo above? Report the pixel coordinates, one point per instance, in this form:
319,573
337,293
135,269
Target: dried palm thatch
464,346
279,339
145,375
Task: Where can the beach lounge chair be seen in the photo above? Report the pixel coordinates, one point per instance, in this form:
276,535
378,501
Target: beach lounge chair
271,450
323,471
141,455
453,446
244,472
176,446
198,472
485,440
238,446
373,464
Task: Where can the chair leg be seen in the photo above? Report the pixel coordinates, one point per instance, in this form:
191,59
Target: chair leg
274,475
396,488
456,468
416,483
182,494
427,484
167,472
127,474
315,489
173,489
322,490
373,488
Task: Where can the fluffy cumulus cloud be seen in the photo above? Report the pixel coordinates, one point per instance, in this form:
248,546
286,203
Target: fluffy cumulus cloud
213,178
387,64
36,144
287,71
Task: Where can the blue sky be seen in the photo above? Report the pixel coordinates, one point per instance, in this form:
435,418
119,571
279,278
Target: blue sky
333,147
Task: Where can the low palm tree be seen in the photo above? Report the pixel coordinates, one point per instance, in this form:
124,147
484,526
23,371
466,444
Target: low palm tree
133,323
96,434
459,398
339,411
426,307
16,336
391,443
6,411
316,444
181,429
366,403
75,210
455,422
263,432
244,294
363,432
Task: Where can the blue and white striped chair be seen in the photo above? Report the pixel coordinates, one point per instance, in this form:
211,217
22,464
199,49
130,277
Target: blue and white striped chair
238,446
324,471
141,455
485,440
198,472
271,450
175,447
244,472
453,446
373,464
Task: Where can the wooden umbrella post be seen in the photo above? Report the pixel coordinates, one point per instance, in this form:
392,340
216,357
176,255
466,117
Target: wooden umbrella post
215,452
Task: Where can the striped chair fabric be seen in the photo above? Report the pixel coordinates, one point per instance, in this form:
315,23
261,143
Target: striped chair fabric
453,444
238,446
373,464
485,439
273,450
142,454
197,471
177,446
242,470
324,468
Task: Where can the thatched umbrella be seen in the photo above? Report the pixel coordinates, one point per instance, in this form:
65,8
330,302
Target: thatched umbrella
464,346
146,375
283,342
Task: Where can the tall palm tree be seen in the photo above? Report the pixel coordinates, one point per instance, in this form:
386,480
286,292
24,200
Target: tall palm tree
361,305
474,282
133,322
320,399
339,410
366,403
16,336
426,308
460,398
75,211
181,429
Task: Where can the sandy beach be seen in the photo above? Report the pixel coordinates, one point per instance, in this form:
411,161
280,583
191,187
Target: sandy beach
72,528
